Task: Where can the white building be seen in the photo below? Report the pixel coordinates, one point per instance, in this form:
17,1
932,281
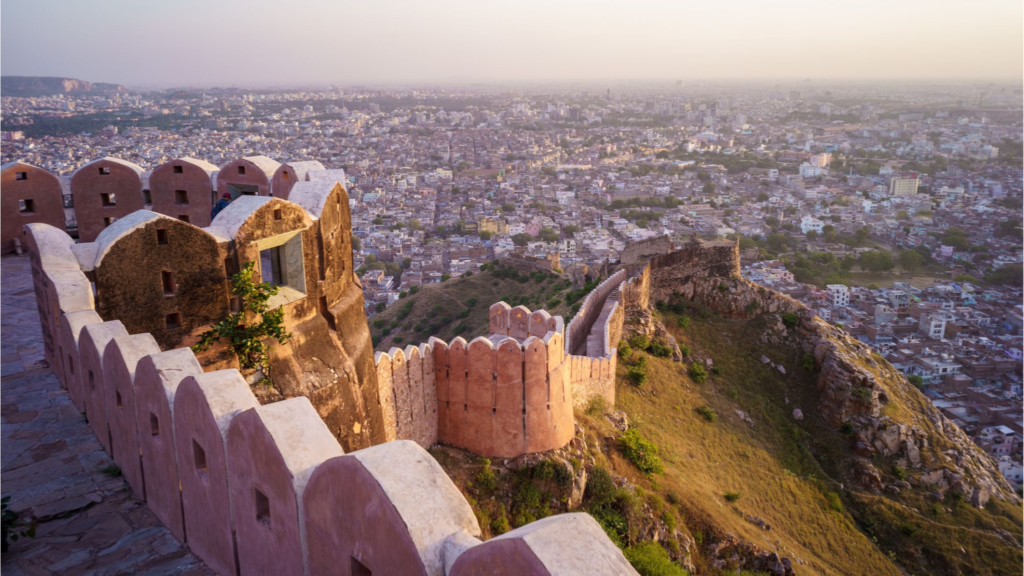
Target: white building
933,324
840,295
808,223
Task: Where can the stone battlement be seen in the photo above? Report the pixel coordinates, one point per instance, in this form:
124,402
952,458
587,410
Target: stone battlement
503,395
267,488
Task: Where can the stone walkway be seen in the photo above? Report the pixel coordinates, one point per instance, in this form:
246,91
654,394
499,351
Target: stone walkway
55,470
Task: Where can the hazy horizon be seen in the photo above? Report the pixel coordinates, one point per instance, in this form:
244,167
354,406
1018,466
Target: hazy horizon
260,43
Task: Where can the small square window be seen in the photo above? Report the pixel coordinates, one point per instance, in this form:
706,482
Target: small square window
108,199
184,218
107,221
147,198
198,456
167,278
241,170
181,196
262,507
154,425
104,171
284,174
26,206
179,170
277,214
161,236
21,175
173,320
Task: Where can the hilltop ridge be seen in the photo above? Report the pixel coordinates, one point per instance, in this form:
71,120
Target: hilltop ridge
51,85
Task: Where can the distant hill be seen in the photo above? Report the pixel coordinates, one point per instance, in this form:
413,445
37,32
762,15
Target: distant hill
51,85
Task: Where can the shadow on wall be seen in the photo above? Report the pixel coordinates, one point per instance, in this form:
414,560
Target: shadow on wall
223,472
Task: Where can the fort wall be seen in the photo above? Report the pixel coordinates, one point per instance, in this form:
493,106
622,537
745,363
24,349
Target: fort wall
108,189
271,481
644,249
28,194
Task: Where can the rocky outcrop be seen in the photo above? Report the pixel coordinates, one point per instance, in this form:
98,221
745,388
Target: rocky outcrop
857,389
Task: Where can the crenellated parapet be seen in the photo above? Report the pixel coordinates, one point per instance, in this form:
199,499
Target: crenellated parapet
267,488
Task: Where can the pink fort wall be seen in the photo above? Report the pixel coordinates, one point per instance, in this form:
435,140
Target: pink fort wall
119,362
69,332
204,406
91,344
348,516
157,377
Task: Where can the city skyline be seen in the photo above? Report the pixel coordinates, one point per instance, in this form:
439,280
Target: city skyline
320,43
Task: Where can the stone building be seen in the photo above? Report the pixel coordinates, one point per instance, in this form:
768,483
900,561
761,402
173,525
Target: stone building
104,191
288,174
183,188
29,194
158,274
249,176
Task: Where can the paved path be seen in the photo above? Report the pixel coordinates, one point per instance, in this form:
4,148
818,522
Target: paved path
55,470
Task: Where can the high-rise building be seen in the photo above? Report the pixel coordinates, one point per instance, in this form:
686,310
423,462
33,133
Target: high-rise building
903,185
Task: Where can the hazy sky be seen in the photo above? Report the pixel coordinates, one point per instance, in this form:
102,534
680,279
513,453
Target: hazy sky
257,42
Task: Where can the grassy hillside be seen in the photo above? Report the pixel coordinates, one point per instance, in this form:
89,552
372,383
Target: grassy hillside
458,306
723,470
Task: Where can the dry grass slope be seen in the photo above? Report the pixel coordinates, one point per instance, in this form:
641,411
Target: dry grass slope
790,473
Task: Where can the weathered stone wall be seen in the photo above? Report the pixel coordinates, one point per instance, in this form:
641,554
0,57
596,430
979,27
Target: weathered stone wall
644,249
148,266
226,473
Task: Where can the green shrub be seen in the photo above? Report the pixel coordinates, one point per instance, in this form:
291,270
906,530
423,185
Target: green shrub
639,341
659,349
916,380
499,524
861,393
808,361
847,429
601,489
834,503
413,290
731,496
650,559
899,472
485,480
641,452
697,372
625,350
790,319
707,413
636,375
597,406
684,349
684,322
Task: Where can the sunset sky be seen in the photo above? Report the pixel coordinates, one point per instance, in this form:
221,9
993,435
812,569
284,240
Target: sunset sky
261,43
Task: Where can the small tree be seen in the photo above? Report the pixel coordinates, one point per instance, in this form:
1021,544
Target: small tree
245,334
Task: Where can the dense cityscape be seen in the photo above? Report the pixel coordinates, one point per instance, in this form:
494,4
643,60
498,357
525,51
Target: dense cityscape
893,210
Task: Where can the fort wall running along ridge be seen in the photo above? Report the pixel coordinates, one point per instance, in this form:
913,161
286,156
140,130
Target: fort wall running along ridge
259,485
